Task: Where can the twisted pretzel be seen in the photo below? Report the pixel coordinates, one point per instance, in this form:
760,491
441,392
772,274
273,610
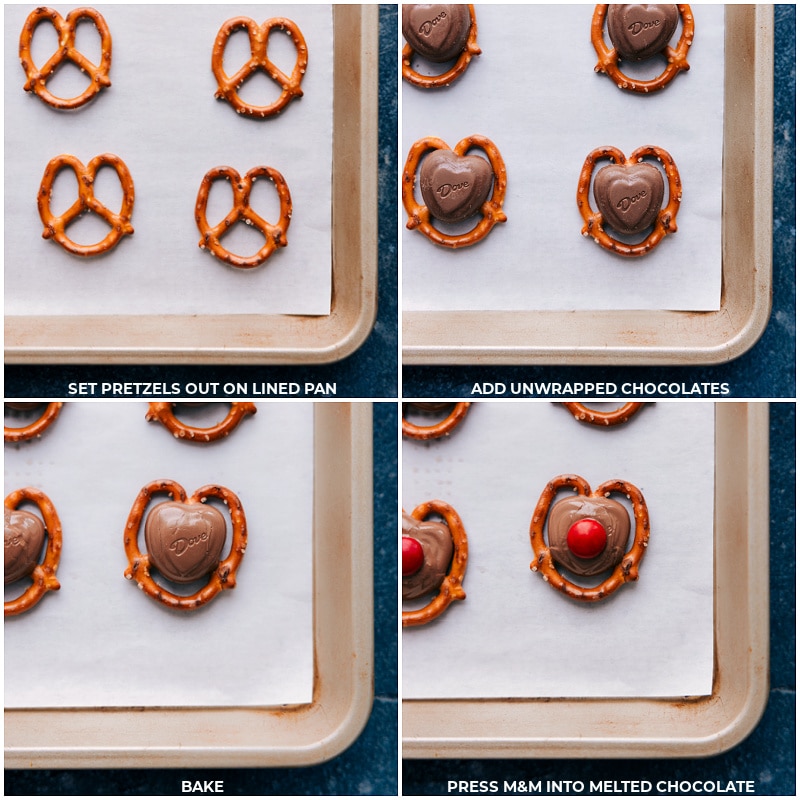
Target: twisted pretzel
628,568
223,576
419,216
451,588
593,220
609,60
66,29
36,428
258,35
44,574
55,226
439,429
459,68
583,413
164,413
275,235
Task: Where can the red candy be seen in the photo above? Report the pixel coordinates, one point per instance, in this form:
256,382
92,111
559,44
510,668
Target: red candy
413,556
586,538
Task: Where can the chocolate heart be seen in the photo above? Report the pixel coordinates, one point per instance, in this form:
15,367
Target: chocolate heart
454,187
629,196
24,538
184,541
639,32
613,516
437,548
436,32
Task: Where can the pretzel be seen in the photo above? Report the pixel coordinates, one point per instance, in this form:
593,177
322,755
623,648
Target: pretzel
55,226
451,588
628,568
419,216
224,575
439,429
36,428
275,235
583,413
66,29
164,413
593,220
44,573
459,68
608,62
258,35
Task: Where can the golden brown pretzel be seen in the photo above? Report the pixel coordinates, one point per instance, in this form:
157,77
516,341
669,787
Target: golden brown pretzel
439,429
628,568
275,235
164,413
593,220
259,35
583,413
65,28
55,226
44,574
36,428
419,216
608,58
445,78
223,576
451,588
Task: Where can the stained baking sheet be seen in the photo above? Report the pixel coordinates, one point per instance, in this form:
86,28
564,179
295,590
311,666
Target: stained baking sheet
91,463
562,110
639,727
492,470
187,321
251,735
656,336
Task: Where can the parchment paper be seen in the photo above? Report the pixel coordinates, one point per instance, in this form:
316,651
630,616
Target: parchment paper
514,636
161,118
99,641
534,92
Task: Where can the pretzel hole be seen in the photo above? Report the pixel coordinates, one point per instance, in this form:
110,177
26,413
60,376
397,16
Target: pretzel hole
88,40
21,417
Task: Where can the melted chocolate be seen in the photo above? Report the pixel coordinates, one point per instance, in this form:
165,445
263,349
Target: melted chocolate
437,547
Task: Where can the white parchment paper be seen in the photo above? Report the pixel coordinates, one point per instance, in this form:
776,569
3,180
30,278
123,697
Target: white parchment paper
513,636
161,118
534,92
99,641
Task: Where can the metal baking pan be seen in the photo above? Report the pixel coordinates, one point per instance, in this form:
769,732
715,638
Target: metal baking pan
649,727
252,736
654,337
255,338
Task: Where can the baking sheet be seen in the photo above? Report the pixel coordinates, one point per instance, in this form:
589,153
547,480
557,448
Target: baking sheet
161,117
134,652
516,637
543,105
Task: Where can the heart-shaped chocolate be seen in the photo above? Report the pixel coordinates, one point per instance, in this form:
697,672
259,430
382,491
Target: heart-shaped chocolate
640,31
184,540
436,32
437,554
571,540
24,540
454,187
629,196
